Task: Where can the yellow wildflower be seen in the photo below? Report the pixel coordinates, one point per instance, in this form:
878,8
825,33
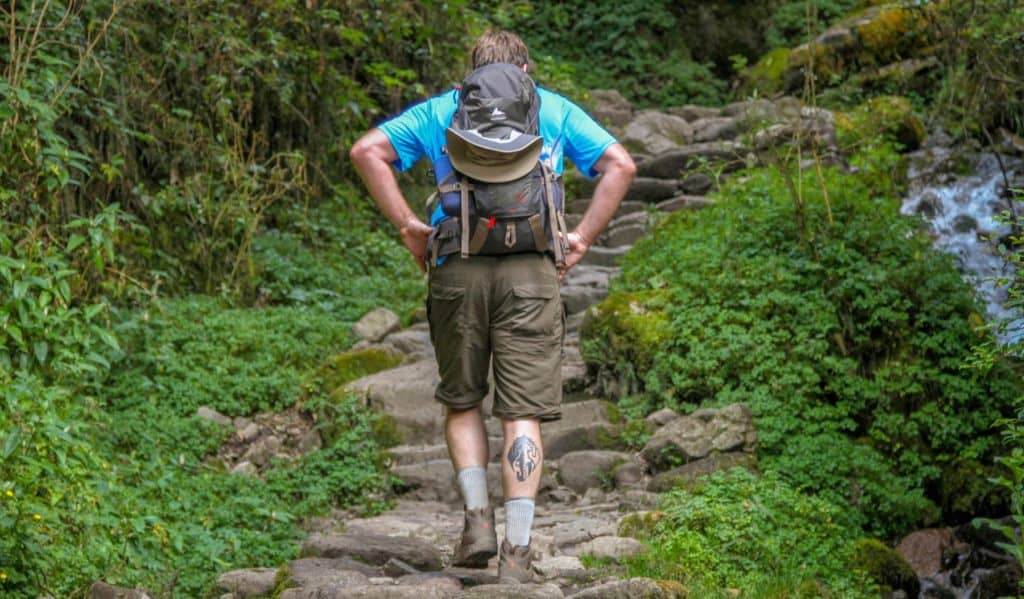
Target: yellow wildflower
36,517
9,493
3,576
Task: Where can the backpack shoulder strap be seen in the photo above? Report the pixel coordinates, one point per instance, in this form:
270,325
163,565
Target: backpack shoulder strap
557,224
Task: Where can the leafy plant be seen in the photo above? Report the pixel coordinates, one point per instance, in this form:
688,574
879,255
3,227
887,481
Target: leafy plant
844,334
756,537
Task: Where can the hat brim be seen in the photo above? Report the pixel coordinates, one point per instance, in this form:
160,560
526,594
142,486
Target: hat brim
492,160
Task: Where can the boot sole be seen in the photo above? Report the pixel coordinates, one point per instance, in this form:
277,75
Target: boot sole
477,558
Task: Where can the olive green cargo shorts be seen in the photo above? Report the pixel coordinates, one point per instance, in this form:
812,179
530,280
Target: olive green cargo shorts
505,308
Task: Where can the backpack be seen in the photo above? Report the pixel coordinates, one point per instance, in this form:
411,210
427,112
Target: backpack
500,196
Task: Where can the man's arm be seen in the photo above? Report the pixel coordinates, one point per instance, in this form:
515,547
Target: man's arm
617,171
372,156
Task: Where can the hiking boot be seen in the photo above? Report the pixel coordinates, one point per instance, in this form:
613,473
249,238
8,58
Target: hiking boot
478,543
515,564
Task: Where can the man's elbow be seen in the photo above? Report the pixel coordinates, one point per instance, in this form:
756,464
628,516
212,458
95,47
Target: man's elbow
628,167
361,151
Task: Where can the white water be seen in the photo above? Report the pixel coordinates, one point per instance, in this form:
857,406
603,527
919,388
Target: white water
961,210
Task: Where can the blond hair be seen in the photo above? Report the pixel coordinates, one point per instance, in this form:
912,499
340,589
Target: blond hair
499,47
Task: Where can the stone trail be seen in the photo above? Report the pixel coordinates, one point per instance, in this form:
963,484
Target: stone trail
596,495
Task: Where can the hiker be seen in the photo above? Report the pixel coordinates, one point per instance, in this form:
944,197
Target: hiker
496,247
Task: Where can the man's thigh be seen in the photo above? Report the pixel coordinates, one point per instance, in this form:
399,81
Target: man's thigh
527,332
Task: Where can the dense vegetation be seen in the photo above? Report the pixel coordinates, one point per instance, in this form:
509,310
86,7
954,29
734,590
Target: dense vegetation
179,228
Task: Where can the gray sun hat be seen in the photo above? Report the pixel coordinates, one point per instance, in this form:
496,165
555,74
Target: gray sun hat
493,136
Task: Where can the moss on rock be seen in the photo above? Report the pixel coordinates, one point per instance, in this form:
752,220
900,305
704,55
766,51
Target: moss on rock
764,78
884,565
884,115
623,333
343,368
639,525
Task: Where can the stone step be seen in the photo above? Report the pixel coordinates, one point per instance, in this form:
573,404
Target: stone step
671,164
650,190
577,298
604,256
624,235
685,202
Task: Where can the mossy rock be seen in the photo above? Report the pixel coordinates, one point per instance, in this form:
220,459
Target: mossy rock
764,78
639,525
341,369
966,491
884,566
884,115
621,335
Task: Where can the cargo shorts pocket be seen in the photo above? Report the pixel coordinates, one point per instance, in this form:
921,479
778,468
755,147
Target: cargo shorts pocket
536,309
444,309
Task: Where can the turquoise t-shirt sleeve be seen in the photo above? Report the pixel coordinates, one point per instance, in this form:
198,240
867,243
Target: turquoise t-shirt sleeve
409,133
585,139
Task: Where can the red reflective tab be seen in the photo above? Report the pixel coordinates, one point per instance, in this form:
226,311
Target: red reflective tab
490,223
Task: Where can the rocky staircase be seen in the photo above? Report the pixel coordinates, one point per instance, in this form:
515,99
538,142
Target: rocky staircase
596,494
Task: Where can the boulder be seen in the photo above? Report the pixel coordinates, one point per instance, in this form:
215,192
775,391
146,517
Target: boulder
376,324
213,416
628,474
580,470
752,111
690,473
632,588
653,132
429,481
715,129
414,343
629,207
515,591
694,436
310,571
661,417
102,590
885,566
697,184
609,107
684,202
692,112
670,164
406,394
646,189
923,550
370,591
262,450
250,582
590,276
431,579
578,298
615,549
555,566
584,425
374,549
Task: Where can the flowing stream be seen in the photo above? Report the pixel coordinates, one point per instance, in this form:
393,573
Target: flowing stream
961,195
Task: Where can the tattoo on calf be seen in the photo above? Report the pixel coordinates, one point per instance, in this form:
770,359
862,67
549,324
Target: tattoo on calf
523,456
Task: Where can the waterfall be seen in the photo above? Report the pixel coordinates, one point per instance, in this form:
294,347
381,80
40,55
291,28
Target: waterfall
961,194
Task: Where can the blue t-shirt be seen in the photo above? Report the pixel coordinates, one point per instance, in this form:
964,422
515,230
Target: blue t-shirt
566,128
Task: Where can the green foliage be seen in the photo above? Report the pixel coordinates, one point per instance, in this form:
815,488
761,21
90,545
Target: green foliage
194,352
630,46
987,356
334,258
201,118
758,535
796,21
982,82
838,325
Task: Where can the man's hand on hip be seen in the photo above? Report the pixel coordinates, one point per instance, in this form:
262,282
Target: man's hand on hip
414,235
578,247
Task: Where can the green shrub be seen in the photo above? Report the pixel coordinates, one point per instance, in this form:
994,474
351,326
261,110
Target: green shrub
882,564
183,354
334,257
757,535
834,320
630,46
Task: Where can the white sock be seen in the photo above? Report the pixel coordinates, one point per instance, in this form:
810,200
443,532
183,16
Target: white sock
518,520
473,482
